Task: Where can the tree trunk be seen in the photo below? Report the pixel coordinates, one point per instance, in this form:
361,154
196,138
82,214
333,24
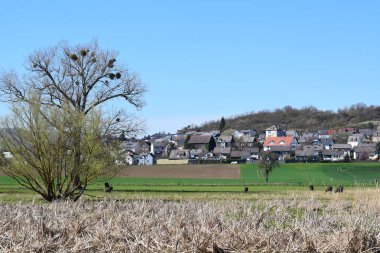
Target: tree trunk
75,173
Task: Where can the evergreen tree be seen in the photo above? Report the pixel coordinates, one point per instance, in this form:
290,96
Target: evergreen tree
222,124
378,150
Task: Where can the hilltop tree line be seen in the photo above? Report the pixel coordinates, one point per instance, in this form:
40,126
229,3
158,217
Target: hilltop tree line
307,119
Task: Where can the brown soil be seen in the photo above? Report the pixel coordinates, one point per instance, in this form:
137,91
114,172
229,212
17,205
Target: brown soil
182,171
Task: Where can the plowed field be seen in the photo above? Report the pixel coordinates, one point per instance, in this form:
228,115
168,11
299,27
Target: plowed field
212,171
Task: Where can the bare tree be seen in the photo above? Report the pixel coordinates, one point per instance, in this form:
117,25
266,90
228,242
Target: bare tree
266,165
85,76
81,78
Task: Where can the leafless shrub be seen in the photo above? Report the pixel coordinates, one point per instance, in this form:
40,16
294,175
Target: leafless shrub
279,225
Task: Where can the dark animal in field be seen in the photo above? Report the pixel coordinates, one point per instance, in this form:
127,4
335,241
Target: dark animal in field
311,187
339,189
246,189
329,188
107,187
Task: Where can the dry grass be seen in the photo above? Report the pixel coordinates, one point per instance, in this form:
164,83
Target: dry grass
276,225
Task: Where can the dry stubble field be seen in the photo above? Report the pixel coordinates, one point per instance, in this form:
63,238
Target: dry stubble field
292,220
306,222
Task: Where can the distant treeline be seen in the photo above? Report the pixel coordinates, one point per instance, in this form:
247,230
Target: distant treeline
307,119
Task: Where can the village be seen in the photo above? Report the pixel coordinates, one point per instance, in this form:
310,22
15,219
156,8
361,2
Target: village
247,146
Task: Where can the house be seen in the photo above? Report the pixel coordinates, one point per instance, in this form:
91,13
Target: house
130,145
160,147
332,155
240,155
346,148
171,145
130,160
316,142
236,133
146,159
365,152
282,147
255,154
247,132
247,142
281,152
225,141
145,147
376,136
355,139
271,142
308,137
261,137
177,154
207,156
180,141
308,152
127,157
325,134
327,143
203,142
274,131
233,132
222,152
346,130
196,153
215,133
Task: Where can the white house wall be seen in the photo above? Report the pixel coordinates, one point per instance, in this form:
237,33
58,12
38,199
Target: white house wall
354,143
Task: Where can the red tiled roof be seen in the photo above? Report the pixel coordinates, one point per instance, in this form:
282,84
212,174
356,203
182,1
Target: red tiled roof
330,131
278,141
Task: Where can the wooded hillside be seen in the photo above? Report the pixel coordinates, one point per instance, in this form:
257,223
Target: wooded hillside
307,118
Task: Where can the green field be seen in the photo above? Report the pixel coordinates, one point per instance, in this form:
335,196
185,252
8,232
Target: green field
360,174
318,173
288,177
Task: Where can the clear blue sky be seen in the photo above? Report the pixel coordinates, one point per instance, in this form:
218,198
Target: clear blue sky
203,59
